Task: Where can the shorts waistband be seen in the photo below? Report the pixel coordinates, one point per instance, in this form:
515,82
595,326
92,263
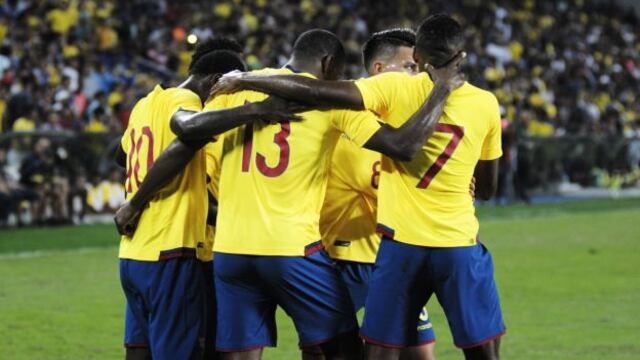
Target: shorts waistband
313,248
176,253
385,231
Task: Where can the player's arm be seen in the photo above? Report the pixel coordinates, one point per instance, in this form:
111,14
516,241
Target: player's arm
181,150
486,175
404,143
486,171
165,168
319,93
212,214
189,125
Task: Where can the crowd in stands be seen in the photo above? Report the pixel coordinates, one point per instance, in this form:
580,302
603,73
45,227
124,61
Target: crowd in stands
566,67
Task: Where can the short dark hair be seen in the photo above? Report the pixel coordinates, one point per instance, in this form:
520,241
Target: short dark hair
217,55
317,43
439,38
385,43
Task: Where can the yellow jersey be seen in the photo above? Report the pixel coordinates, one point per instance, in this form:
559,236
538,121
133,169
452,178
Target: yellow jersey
426,201
348,218
213,153
274,176
173,224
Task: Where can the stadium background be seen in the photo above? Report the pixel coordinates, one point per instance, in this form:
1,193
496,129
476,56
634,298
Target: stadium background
567,74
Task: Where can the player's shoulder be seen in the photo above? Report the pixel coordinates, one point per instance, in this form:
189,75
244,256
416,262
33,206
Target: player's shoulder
156,91
280,71
140,108
480,93
269,71
182,93
388,77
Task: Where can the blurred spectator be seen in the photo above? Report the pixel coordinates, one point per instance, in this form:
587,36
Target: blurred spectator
561,64
44,173
12,194
27,122
567,69
106,195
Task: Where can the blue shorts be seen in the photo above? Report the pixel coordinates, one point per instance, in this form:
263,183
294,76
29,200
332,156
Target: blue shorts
406,276
308,288
357,276
164,306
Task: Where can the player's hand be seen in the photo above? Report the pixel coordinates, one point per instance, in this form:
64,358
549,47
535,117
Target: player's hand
449,74
126,219
472,188
229,83
275,110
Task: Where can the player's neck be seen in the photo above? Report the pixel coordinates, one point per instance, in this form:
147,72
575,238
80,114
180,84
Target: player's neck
302,66
191,84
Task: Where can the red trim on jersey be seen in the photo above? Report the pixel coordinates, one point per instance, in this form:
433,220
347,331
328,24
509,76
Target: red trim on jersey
385,231
313,248
176,253
136,346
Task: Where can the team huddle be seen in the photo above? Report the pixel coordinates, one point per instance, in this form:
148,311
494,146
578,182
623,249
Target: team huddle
288,187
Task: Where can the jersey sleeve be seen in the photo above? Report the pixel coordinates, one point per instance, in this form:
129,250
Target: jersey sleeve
125,142
218,102
492,145
359,126
380,91
213,152
186,100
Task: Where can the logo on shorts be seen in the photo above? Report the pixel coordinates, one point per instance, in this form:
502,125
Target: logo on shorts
342,243
424,315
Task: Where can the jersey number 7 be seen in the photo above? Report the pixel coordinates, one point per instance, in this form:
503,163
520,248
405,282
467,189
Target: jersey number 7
434,169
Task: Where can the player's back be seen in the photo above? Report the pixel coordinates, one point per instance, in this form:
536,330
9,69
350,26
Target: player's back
274,177
348,219
174,221
426,201
213,155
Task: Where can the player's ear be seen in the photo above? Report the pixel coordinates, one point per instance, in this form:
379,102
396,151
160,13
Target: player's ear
377,67
328,66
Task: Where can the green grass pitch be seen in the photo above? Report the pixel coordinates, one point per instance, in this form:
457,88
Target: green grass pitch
568,275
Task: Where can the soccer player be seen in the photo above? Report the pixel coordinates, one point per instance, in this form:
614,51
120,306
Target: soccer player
425,212
160,274
272,183
213,155
348,218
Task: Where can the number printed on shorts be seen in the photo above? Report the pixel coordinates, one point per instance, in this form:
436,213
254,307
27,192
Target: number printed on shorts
133,165
280,139
434,169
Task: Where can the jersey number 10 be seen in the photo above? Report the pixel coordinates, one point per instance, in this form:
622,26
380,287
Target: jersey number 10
134,155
